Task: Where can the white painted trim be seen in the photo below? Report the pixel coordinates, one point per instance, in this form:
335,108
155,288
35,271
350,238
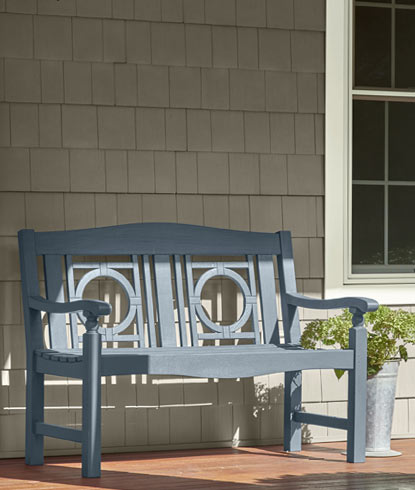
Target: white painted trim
335,143
384,93
338,279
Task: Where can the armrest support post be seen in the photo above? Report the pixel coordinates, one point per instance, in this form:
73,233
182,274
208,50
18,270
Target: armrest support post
356,437
91,398
357,318
91,323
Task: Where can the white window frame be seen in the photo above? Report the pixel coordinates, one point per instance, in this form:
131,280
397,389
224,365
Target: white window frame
393,288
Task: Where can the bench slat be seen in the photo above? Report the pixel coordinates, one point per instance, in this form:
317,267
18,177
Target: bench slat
152,338
54,292
178,278
156,239
164,298
268,298
70,284
190,295
139,313
252,287
288,284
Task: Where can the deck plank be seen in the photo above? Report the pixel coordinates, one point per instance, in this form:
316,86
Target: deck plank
318,465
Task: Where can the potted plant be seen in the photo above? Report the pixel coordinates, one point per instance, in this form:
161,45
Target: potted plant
389,333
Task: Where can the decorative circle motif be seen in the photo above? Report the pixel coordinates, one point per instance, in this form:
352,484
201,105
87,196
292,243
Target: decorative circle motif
239,281
125,285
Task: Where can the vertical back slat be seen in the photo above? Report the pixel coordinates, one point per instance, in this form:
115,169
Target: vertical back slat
149,302
190,299
268,298
54,292
286,273
178,278
164,298
252,287
73,319
139,310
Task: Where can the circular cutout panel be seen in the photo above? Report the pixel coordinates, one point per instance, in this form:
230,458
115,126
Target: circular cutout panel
125,285
240,282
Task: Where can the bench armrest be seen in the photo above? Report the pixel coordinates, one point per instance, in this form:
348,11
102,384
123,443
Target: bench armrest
362,304
94,307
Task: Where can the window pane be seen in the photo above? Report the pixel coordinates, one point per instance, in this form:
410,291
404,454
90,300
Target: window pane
405,2
401,230
401,141
368,140
405,48
372,47
367,228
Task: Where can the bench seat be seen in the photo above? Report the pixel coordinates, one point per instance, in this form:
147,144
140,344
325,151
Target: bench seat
207,362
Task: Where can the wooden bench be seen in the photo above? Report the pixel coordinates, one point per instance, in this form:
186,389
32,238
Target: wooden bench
166,268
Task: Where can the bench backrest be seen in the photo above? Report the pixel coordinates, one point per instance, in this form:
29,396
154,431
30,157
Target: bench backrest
168,265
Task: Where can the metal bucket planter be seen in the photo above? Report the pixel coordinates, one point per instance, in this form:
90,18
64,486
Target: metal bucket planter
381,390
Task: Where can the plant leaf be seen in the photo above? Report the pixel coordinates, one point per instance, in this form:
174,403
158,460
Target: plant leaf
403,353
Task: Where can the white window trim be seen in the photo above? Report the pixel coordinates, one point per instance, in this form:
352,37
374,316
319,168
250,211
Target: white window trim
392,289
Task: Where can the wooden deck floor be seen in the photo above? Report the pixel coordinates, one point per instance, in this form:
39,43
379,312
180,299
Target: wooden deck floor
318,466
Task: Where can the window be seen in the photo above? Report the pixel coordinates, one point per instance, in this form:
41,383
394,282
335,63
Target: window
370,149
382,137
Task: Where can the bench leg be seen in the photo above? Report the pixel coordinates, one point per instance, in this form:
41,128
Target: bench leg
292,402
356,433
34,413
91,406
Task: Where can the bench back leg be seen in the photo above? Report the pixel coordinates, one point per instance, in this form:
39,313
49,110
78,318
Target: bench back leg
91,406
34,413
356,433
292,402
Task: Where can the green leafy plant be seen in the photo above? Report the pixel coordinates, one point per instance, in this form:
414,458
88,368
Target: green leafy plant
389,332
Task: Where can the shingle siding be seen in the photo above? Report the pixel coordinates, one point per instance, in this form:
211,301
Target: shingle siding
198,111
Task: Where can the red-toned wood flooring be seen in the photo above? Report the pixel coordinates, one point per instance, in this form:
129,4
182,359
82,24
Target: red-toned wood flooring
318,466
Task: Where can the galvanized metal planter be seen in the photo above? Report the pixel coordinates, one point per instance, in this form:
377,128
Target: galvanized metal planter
381,390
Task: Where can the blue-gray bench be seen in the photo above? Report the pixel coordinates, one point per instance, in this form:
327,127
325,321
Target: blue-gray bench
168,265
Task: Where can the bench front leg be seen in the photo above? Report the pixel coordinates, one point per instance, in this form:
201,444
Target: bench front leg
356,433
91,401
292,403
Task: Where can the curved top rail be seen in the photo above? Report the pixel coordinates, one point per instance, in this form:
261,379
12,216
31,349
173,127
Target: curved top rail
156,238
